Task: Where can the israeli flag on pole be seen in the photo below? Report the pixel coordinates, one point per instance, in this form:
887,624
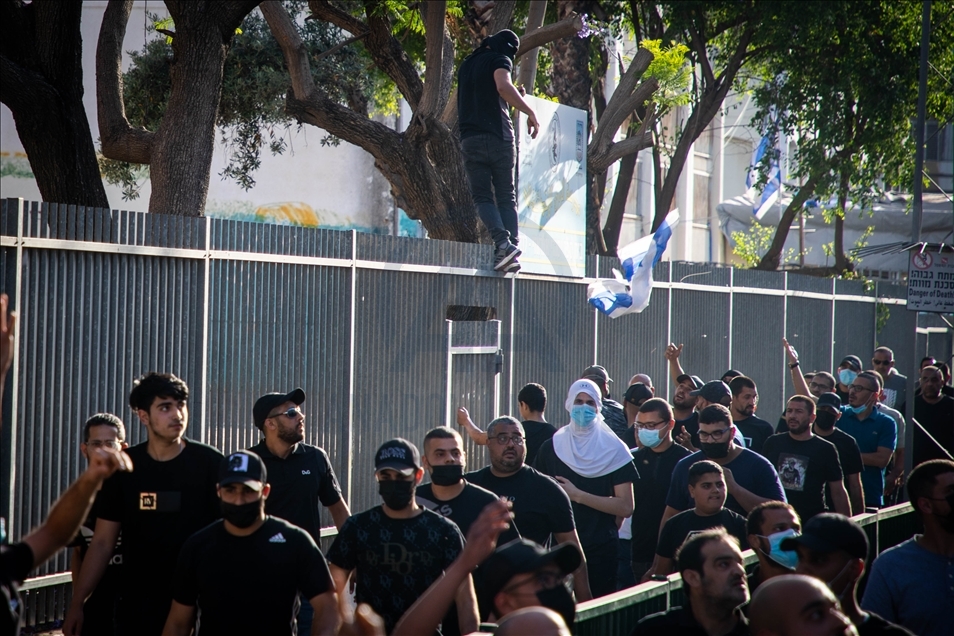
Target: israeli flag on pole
772,189
630,290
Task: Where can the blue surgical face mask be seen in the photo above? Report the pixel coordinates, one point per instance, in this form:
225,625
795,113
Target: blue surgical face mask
649,437
847,376
785,558
583,414
858,410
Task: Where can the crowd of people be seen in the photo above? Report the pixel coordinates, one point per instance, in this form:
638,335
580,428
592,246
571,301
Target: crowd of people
182,539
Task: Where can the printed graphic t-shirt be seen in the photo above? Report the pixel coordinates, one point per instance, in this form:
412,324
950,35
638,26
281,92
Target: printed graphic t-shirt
463,509
804,468
396,559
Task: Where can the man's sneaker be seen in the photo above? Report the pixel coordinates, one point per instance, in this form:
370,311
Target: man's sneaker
512,267
505,255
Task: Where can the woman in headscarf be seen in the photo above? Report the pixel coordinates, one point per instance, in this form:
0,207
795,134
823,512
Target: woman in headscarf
596,470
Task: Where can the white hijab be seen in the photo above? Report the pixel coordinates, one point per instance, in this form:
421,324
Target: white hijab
590,451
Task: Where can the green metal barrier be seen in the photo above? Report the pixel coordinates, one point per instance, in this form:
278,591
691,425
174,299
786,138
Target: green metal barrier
618,613
46,598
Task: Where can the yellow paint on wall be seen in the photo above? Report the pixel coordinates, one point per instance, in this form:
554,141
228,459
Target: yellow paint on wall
289,213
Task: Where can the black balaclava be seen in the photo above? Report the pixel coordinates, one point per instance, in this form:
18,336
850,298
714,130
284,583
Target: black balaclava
504,42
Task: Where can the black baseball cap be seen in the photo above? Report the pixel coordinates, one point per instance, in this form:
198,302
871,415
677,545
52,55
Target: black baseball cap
694,379
854,362
597,373
830,532
714,392
831,400
732,373
637,393
398,454
243,467
265,404
521,556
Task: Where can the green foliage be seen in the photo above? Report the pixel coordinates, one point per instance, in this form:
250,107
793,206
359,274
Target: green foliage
131,177
671,69
751,246
252,107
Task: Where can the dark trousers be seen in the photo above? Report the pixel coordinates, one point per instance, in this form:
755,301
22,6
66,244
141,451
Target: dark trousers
489,163
306,613
601,567
624,568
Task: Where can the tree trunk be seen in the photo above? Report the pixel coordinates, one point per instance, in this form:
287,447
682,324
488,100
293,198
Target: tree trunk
41,74
842,264
571,81
614,218
527,72
772,259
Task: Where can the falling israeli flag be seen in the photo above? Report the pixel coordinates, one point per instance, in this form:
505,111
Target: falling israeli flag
772,189
629,291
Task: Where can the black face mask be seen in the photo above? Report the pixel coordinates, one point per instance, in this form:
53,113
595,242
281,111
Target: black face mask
715,450
560,601
447,474
825,421
396,494
241,515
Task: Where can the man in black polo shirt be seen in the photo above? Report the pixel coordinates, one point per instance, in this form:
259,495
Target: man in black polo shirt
745,399
243,573
827,413
299,475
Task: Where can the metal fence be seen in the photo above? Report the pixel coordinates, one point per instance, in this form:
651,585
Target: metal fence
360,322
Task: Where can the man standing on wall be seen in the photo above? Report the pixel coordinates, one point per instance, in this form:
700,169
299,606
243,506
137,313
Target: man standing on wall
484,91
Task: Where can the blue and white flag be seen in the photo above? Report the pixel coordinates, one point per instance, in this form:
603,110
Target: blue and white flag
630,290
772,189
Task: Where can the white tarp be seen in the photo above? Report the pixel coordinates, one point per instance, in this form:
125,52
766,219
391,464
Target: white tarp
890,219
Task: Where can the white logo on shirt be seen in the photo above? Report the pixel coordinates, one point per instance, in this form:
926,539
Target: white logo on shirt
278,538
306,472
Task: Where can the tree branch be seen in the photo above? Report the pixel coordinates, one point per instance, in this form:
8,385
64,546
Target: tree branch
699,45
568,26
435,88
120,141
627,97
773,257
527,72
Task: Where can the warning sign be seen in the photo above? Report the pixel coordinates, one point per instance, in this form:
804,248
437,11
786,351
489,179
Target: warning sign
931,282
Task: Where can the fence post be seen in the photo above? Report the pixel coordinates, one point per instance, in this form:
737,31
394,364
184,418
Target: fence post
731,311
206,302
784,364
15,369
354,272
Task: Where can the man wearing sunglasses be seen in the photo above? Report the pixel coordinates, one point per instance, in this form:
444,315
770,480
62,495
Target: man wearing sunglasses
540,505
103,430
300,475
895,384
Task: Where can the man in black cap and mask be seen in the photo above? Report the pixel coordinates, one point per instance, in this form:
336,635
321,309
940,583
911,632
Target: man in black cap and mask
218,564
484,94
300,475
400,548
828,410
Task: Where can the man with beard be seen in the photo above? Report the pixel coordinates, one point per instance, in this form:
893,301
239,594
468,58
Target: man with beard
745,397
541,508
713,578
218,562
895,384
300,476
797,605
398,549
875,432
750,478
910,584
935,412
813,460
170,495
827,413
767,526
834,549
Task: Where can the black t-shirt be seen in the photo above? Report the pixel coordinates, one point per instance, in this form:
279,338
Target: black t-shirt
654,473
99,609
804,467
16,561
938,419
396,559
691,425
298,483
679,621
877,626
249,585
160,505
614,416
480,108
687,523
463,509
595,528
540,505
536,433
754,431
849,455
